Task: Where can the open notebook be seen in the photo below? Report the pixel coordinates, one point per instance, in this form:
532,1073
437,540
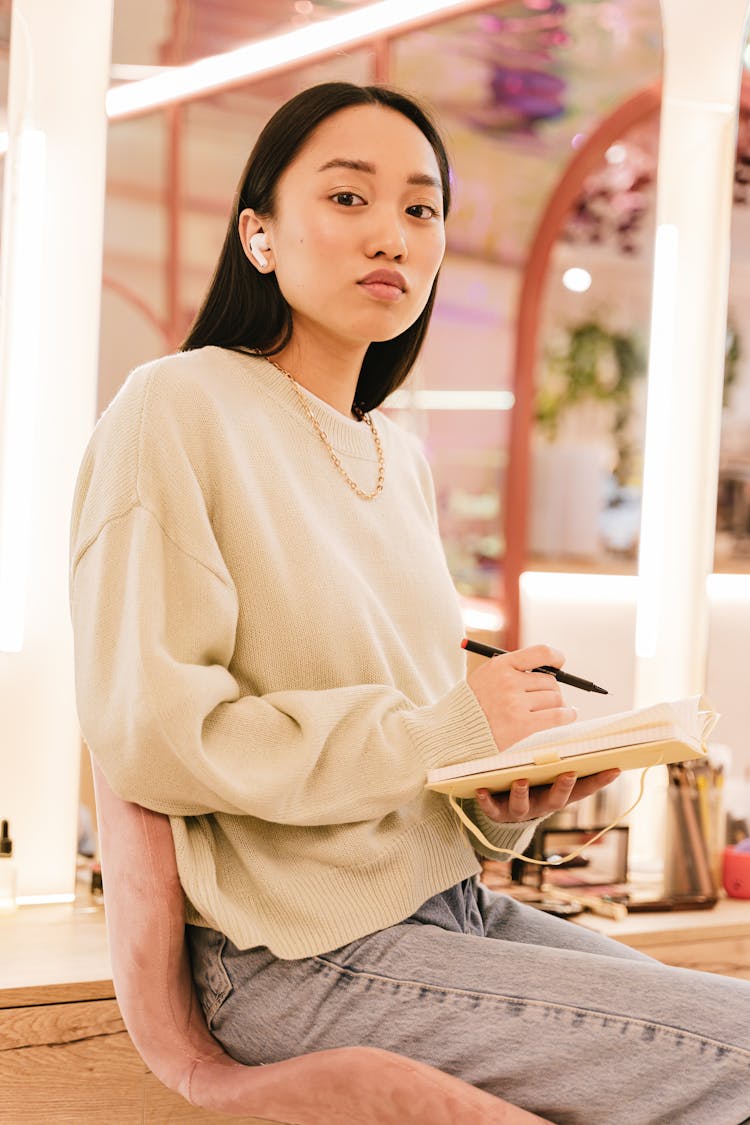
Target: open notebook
657,735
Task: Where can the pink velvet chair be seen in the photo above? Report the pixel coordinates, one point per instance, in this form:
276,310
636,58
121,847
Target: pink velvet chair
151,972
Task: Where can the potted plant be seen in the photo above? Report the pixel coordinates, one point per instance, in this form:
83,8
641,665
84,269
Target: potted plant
596,365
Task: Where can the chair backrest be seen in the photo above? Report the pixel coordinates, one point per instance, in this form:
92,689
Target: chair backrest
145,912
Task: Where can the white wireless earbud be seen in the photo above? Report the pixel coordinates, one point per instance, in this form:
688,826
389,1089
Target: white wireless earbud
258,244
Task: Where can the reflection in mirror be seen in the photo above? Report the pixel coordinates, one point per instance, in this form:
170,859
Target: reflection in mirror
732,550
589,414
587,447
520,88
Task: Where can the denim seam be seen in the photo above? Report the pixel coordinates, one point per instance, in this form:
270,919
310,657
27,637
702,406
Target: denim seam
219,996
442,990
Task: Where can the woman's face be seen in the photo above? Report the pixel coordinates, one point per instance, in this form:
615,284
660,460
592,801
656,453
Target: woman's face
358,235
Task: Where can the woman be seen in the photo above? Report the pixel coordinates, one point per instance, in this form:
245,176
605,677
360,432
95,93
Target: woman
268,650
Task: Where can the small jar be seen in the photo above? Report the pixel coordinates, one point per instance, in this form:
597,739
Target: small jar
736,871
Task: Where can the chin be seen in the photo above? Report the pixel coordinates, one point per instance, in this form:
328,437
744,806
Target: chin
383,337
382,328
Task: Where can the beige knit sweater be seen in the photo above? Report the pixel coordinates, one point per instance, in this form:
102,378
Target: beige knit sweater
269,659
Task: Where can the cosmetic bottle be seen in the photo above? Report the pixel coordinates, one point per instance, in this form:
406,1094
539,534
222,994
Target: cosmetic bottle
97,888
8,875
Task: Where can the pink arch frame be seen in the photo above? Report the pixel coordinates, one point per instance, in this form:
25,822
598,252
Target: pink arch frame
638,108
642,105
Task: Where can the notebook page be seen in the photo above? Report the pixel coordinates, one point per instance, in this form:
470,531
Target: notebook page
648,724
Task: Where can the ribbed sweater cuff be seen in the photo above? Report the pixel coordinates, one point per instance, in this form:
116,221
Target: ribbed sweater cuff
515,837
452,730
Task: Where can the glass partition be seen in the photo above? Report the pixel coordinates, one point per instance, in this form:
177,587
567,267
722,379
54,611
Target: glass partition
517,88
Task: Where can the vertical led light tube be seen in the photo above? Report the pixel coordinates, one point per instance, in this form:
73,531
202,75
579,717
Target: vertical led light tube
19,344
697,152
661,392
49,328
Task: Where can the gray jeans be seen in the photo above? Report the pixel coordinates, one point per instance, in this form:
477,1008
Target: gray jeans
572,1026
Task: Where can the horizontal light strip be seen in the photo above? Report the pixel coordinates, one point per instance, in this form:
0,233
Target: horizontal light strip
597,589
216,71
485,620
450,400
566,586
43,900
728,587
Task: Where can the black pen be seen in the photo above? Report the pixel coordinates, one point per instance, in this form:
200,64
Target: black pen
560,676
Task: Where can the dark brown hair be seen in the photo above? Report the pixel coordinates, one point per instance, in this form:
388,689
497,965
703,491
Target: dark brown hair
246,311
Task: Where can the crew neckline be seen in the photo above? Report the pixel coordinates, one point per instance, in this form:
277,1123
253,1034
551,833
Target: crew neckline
347,435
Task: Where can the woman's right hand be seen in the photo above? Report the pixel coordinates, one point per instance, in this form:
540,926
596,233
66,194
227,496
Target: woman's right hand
516,700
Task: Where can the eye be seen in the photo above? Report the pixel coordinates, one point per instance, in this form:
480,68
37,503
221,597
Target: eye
348,199
423,211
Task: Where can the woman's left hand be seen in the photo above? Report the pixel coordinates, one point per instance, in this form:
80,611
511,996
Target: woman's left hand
524,803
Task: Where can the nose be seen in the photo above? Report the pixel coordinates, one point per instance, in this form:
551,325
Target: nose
386,237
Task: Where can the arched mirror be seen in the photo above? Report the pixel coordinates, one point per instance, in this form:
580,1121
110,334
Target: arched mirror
584,310
581,359
522,89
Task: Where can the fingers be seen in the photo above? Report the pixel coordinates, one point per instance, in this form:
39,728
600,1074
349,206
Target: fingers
534,656
527,681
519,803
566,788
547,700
492,805
561,791
522,802
550,717
538,681
506,808
588,785
516,701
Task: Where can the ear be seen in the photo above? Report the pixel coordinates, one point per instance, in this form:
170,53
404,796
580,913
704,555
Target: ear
255,241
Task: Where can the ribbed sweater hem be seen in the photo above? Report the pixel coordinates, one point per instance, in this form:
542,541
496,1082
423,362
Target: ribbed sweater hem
314,910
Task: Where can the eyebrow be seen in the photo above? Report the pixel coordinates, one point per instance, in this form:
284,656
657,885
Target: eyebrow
420,179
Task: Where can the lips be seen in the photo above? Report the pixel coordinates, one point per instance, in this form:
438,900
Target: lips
384,282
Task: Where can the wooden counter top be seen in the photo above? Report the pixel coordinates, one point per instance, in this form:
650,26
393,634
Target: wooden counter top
52,954
729,918
716,940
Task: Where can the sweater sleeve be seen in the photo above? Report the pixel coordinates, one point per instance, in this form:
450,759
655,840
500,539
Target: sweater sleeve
155,630
513,836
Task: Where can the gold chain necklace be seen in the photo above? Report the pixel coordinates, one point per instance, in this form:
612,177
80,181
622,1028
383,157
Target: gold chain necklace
362,417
